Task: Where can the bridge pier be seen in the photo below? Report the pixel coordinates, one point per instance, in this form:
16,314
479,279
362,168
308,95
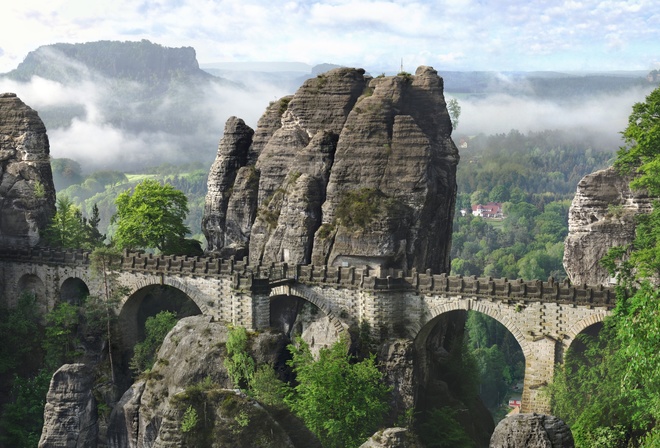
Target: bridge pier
540,360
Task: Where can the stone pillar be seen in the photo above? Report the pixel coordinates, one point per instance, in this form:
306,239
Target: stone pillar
260,311
539,370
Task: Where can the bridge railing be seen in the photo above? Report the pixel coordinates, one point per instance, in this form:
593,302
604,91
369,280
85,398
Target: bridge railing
244,275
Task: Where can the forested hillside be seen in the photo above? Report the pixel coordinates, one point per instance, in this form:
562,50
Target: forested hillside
534,176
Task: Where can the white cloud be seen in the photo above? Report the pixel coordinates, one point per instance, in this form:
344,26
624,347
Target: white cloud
504,35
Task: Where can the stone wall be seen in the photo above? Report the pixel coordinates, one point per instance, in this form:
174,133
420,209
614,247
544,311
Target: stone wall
544,317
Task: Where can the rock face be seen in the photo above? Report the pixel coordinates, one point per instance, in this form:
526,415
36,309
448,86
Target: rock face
70,413
350,169
532,431
27,193
601,216
190,372
392,438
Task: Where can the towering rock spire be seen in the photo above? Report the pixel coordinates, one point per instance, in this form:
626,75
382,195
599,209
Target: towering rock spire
27,193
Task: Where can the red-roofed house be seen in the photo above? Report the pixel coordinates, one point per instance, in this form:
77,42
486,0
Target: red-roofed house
490,210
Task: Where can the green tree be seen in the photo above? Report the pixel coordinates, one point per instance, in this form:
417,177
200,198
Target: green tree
60,339
341,401
454,110
99,309
150,217
19,330
238,362
156,328
68,228
610,392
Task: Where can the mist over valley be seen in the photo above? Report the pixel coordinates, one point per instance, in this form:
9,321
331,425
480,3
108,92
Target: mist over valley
127,105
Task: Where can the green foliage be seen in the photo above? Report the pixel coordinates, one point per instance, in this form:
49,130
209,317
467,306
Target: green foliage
190,420
19,330
608,392
441,429
341,401
23,417
39,190
69,229
267,388
151,217
358,209
527,244
642,137
239,364
156,328
60,335
454,110
66,172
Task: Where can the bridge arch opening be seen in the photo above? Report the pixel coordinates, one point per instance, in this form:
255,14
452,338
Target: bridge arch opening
297,316
470,367
142,304
74,291
31,284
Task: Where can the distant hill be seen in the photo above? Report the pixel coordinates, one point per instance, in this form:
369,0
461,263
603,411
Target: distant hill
555,86
147,93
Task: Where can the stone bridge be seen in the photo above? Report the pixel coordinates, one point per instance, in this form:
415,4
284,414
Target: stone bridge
544,317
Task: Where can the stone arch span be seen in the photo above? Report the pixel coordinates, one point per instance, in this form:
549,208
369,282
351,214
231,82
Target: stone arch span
73,290
311,297
582,325
488,308
187,288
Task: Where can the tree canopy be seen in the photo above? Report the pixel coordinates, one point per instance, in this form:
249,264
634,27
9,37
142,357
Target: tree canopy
610,392
151,216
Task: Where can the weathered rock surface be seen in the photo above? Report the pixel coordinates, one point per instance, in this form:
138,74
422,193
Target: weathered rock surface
532,431
343,136
150,413
27,193
70,412
601,216
232,155
392,438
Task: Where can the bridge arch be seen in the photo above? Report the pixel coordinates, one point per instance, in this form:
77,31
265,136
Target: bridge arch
146,299
285,309
582,325
187,288
32,283
73,290
305,294
485,307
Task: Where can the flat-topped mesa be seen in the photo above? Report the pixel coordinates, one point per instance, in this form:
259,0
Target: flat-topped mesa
349,170
27,193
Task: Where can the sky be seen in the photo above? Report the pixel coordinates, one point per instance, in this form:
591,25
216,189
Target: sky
379,35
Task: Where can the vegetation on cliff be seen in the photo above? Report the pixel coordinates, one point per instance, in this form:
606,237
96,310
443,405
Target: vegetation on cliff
609,391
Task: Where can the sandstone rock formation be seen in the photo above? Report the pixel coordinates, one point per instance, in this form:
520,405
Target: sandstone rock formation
27,193
392,438
190,372
350,169
70,413
601,216
532,431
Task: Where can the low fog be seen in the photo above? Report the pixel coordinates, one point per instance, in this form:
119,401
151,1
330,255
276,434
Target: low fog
93,141
96,144
600,119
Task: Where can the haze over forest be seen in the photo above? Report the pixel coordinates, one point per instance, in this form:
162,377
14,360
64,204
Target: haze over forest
123,119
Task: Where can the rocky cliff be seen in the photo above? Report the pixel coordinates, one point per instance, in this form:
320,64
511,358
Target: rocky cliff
27,193
190,372
601,216
350,169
